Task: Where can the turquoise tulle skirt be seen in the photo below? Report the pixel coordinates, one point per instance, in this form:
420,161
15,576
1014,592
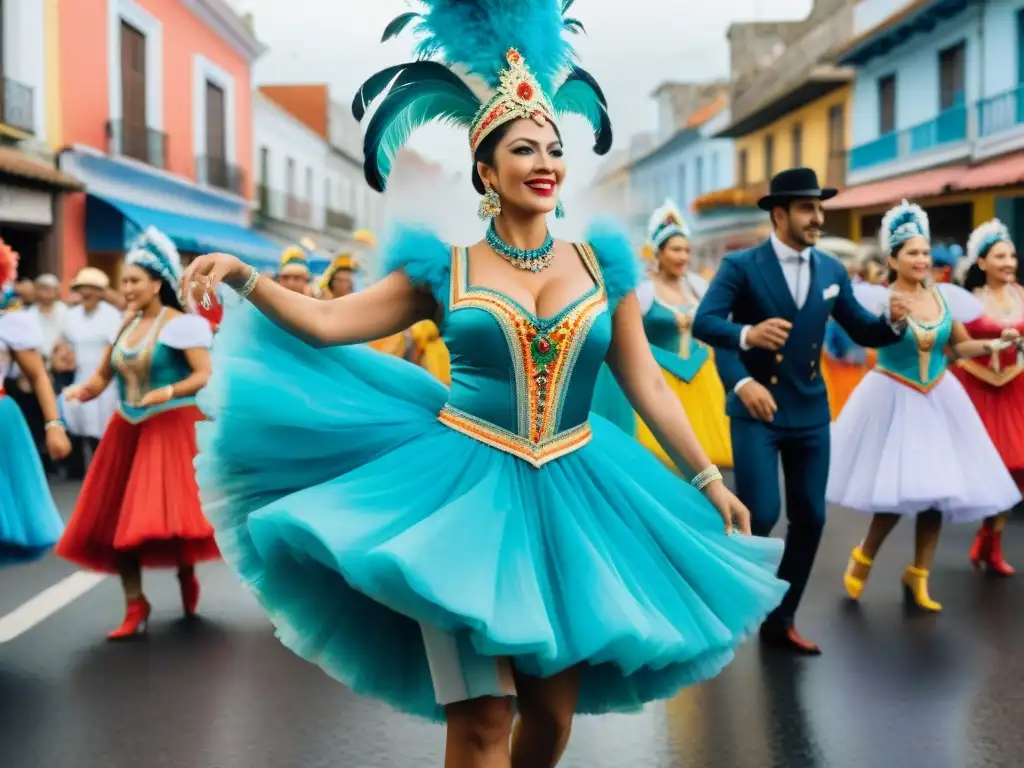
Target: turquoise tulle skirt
353,515
29,522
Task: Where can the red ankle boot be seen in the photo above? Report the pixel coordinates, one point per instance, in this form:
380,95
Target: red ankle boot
136,618
987,550
189,591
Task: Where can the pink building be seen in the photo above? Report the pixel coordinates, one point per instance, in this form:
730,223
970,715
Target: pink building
156,121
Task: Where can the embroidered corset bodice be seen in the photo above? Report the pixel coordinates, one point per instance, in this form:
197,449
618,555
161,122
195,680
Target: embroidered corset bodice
997,369
919,358
521,383
147,365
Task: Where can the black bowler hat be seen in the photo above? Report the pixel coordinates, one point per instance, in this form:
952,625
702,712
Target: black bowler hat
792,184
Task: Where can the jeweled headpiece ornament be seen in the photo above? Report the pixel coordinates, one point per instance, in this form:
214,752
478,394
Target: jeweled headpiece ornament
665,223
516,47
900,224
155,251
983,238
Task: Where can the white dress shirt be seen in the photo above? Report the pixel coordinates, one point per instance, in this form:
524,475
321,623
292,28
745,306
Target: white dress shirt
796,269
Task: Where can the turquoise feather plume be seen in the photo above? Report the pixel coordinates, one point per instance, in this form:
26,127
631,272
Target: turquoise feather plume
580,94
410,105
477,34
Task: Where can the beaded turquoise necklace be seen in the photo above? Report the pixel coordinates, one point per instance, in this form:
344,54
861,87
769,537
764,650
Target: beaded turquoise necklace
533,260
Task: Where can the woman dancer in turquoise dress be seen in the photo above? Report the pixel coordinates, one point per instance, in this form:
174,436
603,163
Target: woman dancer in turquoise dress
551,562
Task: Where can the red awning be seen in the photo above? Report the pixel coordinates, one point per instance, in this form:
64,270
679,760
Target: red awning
1000,172
916,185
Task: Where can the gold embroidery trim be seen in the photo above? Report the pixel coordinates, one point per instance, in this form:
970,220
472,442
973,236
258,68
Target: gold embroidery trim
536,453
922,388
986,374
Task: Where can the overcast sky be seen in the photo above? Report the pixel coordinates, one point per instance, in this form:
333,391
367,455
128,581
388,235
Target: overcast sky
630,48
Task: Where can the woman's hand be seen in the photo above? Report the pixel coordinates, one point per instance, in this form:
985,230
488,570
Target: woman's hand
208,271
157,397
1010,334
77,393
734,513
57,443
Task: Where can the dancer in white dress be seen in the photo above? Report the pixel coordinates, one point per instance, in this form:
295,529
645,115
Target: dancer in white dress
909,441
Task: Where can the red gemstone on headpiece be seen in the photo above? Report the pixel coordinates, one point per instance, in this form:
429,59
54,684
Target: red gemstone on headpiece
543,346
525,91
512,56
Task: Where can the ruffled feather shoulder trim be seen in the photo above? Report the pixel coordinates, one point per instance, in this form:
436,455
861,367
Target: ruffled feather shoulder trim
423,256
963,305
20,330
187,332
620,267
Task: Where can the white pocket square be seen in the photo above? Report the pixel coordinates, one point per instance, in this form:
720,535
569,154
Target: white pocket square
830,293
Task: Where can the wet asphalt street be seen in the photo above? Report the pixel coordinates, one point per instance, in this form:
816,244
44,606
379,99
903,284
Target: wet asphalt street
892,690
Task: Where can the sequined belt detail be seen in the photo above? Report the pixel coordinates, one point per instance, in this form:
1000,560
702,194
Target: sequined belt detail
537,454
912,383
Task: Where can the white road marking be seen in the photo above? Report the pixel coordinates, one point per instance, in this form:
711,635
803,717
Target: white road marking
46,603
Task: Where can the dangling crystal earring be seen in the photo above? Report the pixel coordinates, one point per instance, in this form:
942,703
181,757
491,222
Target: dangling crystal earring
559,209
490,205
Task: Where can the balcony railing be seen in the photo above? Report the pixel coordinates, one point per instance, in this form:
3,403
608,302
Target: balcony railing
944,129
340,220
218,172
1001,112
281,206
18,106
138,142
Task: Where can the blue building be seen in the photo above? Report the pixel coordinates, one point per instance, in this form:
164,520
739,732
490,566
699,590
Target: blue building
686,165
937,113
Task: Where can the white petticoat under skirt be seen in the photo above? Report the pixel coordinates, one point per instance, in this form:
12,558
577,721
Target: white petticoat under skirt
896,449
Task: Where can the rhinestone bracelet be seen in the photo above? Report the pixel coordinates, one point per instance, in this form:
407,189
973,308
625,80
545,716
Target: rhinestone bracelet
54,424
706,478
249,285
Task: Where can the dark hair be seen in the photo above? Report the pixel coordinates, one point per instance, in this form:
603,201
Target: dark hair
168,293
489,146
784,206
975,277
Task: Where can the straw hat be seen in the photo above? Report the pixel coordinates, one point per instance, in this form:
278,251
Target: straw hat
90,277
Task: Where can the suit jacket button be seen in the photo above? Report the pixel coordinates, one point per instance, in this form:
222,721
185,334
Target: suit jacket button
813,363
814,375
774,379
778,358
814,346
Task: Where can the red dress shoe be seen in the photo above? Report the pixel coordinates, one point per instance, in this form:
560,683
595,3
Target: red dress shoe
788,639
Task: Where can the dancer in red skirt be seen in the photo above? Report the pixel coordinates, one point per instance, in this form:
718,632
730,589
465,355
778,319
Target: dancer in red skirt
994,382
139,506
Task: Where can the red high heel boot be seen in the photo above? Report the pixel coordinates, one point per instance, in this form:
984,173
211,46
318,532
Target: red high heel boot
189,591
136,618
987,550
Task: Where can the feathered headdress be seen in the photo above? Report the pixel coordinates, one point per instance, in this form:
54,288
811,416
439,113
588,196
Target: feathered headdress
297,256
8,274
155,251
666,222
901,223
515,47
365,237
983,238
947,255
342,262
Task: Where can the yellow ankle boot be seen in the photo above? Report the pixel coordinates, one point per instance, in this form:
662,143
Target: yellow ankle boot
854,586
915,586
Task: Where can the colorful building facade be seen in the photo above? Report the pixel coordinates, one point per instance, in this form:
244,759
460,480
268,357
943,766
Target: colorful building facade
155,119
938,105
789,109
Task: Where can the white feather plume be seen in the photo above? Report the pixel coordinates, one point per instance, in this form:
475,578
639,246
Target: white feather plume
913,221
990,232
668,211
159,241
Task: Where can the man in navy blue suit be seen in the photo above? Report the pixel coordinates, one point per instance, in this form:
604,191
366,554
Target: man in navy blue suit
765,314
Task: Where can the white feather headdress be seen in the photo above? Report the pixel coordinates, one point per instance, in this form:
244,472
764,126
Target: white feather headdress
983,238
666,222
901,223
155,250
